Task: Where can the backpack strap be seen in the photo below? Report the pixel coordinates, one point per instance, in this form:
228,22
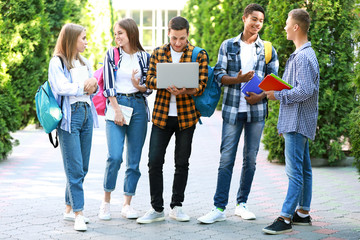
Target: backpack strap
116,56
62,62
56,144
268,51
116,59
196,52
194,56
52,140
143,63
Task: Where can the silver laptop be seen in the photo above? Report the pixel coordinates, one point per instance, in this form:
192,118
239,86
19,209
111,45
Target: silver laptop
181,75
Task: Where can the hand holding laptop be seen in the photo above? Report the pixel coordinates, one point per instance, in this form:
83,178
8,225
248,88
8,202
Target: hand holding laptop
177,91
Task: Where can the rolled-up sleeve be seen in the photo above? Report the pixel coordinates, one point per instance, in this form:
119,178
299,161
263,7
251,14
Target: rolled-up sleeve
221,66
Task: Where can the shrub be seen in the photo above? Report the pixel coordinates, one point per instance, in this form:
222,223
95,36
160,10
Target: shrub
10,119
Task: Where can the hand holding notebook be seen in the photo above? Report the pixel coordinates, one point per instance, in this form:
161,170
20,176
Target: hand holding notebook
126,111
252,86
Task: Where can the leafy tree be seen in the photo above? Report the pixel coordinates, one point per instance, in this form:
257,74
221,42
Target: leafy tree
24,50
277,12
28,32
98,30
10,118
59,12
355,114
10,112
213,21
330,35
333,22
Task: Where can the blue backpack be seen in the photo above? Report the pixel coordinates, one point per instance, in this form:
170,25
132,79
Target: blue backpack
47,110
206,103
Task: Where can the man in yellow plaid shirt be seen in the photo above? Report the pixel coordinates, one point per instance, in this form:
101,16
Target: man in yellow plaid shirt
174,112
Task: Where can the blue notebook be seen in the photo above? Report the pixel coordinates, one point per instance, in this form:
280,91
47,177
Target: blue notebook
252,86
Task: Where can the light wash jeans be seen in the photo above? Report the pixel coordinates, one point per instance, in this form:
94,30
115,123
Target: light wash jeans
229,144
298,170
75,150
135,134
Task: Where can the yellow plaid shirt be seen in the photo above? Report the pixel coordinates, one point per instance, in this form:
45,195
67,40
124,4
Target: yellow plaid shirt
187,114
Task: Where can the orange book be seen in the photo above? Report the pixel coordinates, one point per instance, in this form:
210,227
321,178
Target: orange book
273,82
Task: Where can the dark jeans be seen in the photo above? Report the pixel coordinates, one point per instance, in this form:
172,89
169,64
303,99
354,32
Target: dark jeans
159,141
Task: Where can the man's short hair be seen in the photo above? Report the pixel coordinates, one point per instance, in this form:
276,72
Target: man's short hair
253,7
179,23
302,18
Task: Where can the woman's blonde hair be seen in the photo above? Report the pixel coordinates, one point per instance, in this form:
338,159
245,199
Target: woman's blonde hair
132,32
66,44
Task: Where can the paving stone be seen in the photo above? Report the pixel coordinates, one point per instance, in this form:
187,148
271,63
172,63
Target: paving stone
32,208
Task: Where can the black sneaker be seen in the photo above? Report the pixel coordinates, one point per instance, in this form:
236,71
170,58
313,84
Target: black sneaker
278,226
297,220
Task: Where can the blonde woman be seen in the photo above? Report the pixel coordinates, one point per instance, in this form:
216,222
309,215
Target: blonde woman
79,115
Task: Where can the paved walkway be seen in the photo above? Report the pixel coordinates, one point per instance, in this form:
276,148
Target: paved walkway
32,195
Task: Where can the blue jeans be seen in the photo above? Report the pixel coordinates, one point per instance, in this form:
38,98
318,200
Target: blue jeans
298,170
229,144
75,150
159,141
135,134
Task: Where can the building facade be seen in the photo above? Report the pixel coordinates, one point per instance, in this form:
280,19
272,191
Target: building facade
152,18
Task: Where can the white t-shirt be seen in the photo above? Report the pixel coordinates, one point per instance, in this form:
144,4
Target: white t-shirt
123,82
82,98
173,108
247,57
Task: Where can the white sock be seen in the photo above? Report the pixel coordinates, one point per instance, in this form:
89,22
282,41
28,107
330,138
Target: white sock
286,221
302,215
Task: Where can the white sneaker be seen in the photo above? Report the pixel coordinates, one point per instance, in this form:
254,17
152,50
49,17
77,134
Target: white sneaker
151,216
242,211
177,214
71,217
80,224
215,215
104,212
128,212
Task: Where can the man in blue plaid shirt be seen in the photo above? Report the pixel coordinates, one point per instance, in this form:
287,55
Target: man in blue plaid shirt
238,60
297,123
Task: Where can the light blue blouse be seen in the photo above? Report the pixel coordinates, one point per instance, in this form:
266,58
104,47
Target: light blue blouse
63,86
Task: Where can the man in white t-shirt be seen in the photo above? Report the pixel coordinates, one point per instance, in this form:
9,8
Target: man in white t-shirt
174,114
238,60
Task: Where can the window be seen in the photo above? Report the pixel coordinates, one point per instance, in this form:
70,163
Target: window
147,18
136,16
153,25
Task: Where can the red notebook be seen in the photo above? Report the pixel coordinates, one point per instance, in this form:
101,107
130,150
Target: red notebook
273,82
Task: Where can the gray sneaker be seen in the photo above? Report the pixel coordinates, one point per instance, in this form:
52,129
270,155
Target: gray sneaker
215,215
177,214
151,216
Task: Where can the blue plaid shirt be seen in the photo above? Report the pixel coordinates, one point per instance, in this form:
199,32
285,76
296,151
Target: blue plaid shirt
229,63
299,106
